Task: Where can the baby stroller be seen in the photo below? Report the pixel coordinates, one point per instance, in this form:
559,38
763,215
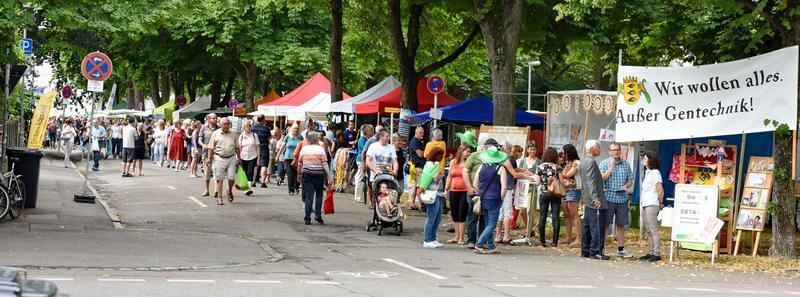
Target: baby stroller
381,219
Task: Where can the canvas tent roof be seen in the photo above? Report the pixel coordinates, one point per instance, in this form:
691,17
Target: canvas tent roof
200,103
393,98
317,108
272,96
302,94
165,110
373,93
479,110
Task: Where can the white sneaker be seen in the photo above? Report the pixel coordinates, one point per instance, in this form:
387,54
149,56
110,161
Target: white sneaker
624,254
438,243
430,245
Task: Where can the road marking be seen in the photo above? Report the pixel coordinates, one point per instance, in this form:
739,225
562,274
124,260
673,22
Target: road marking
415,269
255,281
154,202
321,283
191,281
634,288
792,293
56,279
197,201
171,187
751,292
127,280
574,287
696,289
516,285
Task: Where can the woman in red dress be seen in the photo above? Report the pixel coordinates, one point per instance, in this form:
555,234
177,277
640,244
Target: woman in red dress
177,138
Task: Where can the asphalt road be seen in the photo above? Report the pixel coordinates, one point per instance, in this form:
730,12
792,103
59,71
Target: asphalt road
176,243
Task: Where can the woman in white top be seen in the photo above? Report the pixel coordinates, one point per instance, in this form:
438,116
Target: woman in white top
68,134
249,151
652,201
273,150
159,143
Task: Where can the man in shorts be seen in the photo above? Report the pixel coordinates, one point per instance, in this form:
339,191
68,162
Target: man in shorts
128,148
617,179
203,139
225,155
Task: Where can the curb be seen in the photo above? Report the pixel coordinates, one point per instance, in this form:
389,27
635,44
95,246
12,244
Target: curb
110,211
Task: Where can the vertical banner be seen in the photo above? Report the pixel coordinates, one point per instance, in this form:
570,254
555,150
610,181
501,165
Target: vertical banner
39,120
743,96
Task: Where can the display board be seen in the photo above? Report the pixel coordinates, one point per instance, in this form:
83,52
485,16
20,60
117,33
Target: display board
695,211
756,193
576,116
503,134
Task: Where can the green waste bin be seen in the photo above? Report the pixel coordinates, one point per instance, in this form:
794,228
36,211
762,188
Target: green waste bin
28,167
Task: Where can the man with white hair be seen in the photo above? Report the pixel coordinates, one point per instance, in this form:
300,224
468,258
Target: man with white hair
595,206
224,152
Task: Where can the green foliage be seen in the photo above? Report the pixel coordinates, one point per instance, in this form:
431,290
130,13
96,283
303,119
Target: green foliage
781,129
772,207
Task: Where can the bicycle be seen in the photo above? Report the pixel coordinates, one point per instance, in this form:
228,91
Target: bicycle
12,194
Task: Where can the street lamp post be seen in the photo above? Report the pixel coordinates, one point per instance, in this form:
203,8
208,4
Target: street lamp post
531,64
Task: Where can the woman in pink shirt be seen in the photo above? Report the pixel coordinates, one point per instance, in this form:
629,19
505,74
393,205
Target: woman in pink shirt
458,193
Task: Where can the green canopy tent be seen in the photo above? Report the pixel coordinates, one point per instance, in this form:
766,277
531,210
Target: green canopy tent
165,111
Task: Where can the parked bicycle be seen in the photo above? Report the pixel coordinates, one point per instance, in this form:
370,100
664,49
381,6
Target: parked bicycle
12,193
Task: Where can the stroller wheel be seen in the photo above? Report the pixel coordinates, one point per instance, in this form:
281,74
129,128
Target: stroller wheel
399,228
368,228
380,230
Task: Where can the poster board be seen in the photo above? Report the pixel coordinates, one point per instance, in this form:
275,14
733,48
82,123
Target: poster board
576,116
695,211
756,193
510,134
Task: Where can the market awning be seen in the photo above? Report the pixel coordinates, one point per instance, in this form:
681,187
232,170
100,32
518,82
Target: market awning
165,110
393,98
317,108
477,111
373,93
242,111
200,103
309,89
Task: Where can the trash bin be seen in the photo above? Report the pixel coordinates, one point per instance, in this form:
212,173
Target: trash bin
28,167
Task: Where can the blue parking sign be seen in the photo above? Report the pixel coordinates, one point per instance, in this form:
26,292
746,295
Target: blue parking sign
27,46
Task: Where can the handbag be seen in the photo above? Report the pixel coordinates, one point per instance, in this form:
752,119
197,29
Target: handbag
428,197
476,205
95,146
327,205
555,189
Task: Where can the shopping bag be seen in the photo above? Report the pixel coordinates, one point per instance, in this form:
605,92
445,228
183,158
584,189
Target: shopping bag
327,205
242,184
95,145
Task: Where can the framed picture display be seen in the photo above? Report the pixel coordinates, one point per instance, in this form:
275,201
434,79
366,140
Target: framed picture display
751,219
755,198
759,180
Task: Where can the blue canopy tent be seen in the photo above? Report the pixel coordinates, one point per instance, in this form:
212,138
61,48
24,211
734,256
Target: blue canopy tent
476,111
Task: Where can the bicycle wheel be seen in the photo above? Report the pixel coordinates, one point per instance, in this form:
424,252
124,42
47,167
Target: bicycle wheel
16,197
4,202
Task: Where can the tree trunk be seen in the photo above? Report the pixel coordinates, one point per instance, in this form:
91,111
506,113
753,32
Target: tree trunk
783,219
337,82
154,88
191,86
501,29
130,96
165,88
251,71
228,90
216,92
265,88
139,97
600,80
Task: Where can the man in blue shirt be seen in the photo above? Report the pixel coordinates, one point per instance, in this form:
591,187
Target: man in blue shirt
617,179
263,133
98,135
350,134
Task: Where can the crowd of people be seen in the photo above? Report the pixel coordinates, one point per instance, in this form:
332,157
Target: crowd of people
475,184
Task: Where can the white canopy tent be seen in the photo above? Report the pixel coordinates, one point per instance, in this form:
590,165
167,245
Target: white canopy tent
317,108
375,92
202,103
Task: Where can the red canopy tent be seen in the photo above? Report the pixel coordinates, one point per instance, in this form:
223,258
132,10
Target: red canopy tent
309,89
393,98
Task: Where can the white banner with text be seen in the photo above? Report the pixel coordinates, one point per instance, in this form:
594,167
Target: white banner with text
656,103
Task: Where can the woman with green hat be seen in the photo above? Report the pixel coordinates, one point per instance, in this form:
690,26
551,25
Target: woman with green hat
468,138
490,180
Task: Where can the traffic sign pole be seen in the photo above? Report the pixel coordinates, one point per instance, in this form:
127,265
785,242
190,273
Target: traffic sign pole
435,103
96,67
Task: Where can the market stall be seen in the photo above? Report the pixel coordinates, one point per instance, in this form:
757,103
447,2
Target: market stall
377,91
199,104
392,100
477,111
302,94
165,110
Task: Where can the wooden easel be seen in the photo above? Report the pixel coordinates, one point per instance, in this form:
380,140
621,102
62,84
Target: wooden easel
757,165
756,240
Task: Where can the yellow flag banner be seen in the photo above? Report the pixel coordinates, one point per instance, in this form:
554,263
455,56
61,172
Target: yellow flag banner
39,120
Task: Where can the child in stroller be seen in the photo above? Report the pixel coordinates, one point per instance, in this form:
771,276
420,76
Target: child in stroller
385,200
